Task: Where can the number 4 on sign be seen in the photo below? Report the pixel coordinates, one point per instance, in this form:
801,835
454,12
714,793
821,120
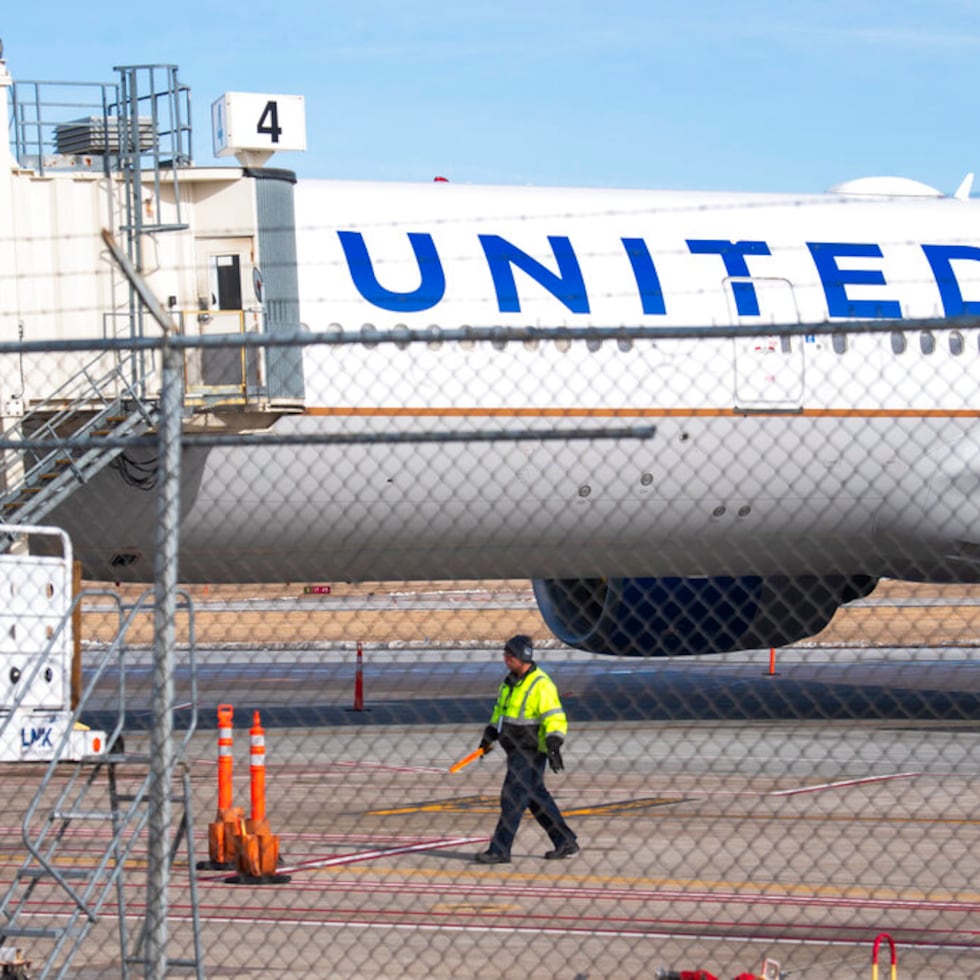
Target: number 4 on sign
269,121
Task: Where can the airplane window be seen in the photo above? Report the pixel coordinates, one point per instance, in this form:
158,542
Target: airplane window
498,342
593,343
840,342
369,335
927,342
898,342
624,344
531,343
955,343
563,344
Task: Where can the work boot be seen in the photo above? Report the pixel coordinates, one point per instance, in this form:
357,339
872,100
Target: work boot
491,857
565,850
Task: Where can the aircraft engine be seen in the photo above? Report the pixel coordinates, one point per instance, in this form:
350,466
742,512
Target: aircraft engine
665,617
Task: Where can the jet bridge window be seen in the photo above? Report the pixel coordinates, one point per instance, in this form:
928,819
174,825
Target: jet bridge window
898,342
955,343
927,342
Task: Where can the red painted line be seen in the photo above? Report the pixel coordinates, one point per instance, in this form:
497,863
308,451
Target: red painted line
670,895
645,929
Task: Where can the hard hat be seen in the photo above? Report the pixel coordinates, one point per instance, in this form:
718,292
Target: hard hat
521,648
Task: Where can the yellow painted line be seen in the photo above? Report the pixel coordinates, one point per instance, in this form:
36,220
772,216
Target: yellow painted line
461,804
624,806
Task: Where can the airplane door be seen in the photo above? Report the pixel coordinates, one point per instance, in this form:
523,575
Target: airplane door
769,368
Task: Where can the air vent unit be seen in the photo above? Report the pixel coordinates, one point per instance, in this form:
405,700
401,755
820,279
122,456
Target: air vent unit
100,136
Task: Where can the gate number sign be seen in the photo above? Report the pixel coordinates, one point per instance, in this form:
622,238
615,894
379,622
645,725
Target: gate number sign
255,121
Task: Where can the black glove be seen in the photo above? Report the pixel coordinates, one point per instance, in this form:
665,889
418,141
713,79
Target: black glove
553,742
490,735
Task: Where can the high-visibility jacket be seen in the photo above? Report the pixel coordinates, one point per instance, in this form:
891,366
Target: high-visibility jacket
528,710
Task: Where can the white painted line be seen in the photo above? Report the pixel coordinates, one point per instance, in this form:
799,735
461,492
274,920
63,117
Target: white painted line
820,787
381,852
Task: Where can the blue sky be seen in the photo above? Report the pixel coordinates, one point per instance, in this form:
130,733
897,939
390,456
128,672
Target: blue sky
755,95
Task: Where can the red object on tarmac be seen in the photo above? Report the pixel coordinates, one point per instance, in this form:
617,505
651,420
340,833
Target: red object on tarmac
694,975
874,955
257,768
359,680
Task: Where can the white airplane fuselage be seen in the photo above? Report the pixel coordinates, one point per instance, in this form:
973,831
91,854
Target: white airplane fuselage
850,454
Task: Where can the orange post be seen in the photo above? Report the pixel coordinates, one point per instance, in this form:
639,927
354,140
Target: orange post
223,832
257,854
257,768
226,714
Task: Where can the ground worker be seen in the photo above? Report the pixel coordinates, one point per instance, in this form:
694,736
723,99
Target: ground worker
529,721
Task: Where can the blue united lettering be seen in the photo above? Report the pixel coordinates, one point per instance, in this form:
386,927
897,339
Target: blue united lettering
842,269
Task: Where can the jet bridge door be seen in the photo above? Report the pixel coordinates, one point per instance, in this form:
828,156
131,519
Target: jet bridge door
769,367
225,306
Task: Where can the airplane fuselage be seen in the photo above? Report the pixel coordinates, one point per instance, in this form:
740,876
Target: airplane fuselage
771,454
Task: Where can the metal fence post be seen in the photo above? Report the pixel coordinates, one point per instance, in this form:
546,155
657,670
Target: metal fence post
165,600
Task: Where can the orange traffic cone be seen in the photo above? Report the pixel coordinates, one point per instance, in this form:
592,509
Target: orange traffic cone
223,831
258,848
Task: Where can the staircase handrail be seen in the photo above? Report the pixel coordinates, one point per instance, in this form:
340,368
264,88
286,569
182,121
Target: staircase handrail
116,648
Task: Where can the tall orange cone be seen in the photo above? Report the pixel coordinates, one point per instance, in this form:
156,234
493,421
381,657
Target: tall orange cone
257,768
223,831
258,847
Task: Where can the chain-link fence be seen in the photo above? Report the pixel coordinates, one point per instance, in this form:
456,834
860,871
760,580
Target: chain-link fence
771,743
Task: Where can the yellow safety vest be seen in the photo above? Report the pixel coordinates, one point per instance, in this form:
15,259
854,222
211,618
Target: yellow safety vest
532,702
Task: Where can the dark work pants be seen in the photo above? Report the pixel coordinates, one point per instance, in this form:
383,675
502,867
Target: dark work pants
524,789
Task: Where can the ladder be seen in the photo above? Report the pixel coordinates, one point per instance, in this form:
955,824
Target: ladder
80,426
84,822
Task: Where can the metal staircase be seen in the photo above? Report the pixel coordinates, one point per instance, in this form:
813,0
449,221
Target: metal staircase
83,825
80,427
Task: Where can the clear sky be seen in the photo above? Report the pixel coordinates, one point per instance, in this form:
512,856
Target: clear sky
781,95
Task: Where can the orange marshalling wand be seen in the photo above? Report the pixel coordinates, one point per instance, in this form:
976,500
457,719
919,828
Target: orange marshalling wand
466,760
